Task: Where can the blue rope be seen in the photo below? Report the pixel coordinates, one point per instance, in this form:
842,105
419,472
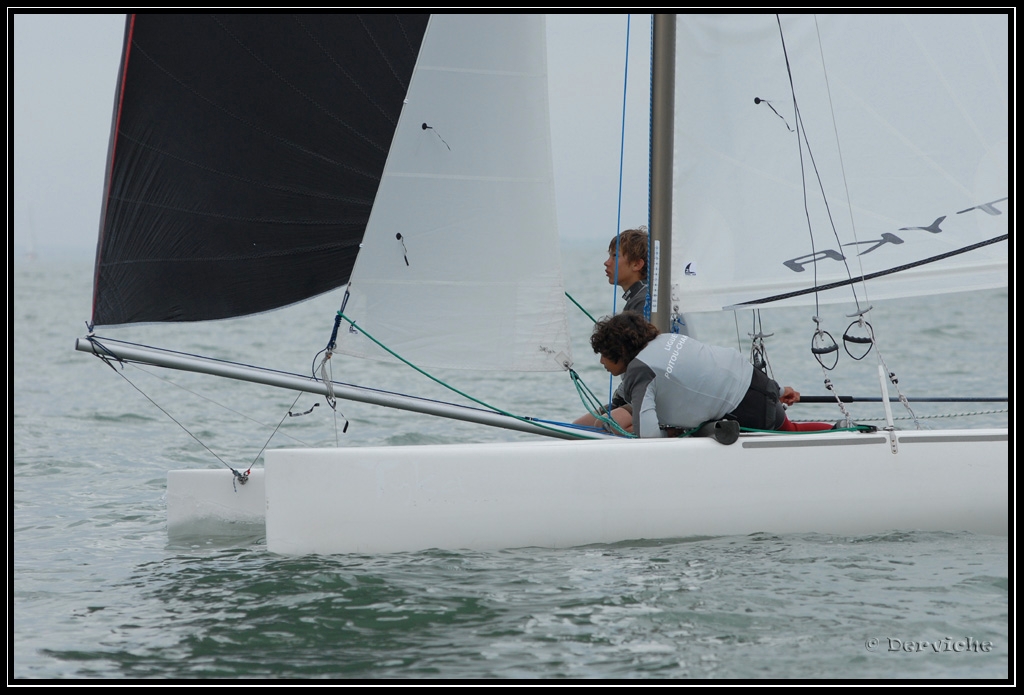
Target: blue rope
622,150
618,213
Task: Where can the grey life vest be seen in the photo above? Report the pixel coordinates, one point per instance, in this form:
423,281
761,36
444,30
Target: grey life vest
677,381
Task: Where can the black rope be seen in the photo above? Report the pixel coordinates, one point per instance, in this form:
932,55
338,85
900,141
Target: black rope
802,134
759,100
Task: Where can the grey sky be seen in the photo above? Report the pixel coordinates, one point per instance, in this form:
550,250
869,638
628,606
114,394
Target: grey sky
65,71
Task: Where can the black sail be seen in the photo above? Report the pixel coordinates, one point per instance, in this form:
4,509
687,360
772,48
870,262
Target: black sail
245,155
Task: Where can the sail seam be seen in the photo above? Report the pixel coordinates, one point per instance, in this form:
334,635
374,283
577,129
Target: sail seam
262,184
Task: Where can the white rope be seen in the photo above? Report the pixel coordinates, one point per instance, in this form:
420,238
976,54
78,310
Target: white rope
925,417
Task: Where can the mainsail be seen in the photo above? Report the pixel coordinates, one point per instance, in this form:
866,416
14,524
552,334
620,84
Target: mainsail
245,157
891,129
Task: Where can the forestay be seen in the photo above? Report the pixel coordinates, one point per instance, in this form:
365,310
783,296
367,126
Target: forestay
906,122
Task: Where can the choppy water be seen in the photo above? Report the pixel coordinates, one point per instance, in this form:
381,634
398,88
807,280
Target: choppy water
99,591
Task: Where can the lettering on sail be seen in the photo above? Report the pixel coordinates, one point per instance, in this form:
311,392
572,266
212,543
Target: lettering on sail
798,264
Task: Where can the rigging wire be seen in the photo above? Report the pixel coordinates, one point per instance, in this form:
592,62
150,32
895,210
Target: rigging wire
802,141
433,378
818,345
283,417
860,322
818,333
107,358
622,159
618,215
618,212
210,400
803,174
842,166
109,355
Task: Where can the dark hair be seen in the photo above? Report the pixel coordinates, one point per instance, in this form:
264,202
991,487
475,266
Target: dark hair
623,336
632,245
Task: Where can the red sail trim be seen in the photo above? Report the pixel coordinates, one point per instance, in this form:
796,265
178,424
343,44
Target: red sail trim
110,157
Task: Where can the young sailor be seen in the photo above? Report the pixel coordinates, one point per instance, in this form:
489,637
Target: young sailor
627,267
675,383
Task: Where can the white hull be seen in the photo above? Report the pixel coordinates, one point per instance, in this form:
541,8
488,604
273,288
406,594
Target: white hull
563,494
213,503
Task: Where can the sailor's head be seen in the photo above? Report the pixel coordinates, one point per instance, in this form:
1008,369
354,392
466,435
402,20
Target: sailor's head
620,338
628,251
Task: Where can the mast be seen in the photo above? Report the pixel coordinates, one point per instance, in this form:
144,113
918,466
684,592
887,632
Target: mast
663,50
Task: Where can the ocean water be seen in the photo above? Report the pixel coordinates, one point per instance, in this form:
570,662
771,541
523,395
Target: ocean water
99,591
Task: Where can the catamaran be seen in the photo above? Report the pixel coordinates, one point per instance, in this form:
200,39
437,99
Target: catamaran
794,159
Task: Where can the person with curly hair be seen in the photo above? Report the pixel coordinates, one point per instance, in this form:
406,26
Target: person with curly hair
673,383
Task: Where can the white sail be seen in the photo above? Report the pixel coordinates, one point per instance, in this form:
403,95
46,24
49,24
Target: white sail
475,280
906,118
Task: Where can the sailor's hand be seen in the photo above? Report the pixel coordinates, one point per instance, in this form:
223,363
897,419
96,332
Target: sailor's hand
789,396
